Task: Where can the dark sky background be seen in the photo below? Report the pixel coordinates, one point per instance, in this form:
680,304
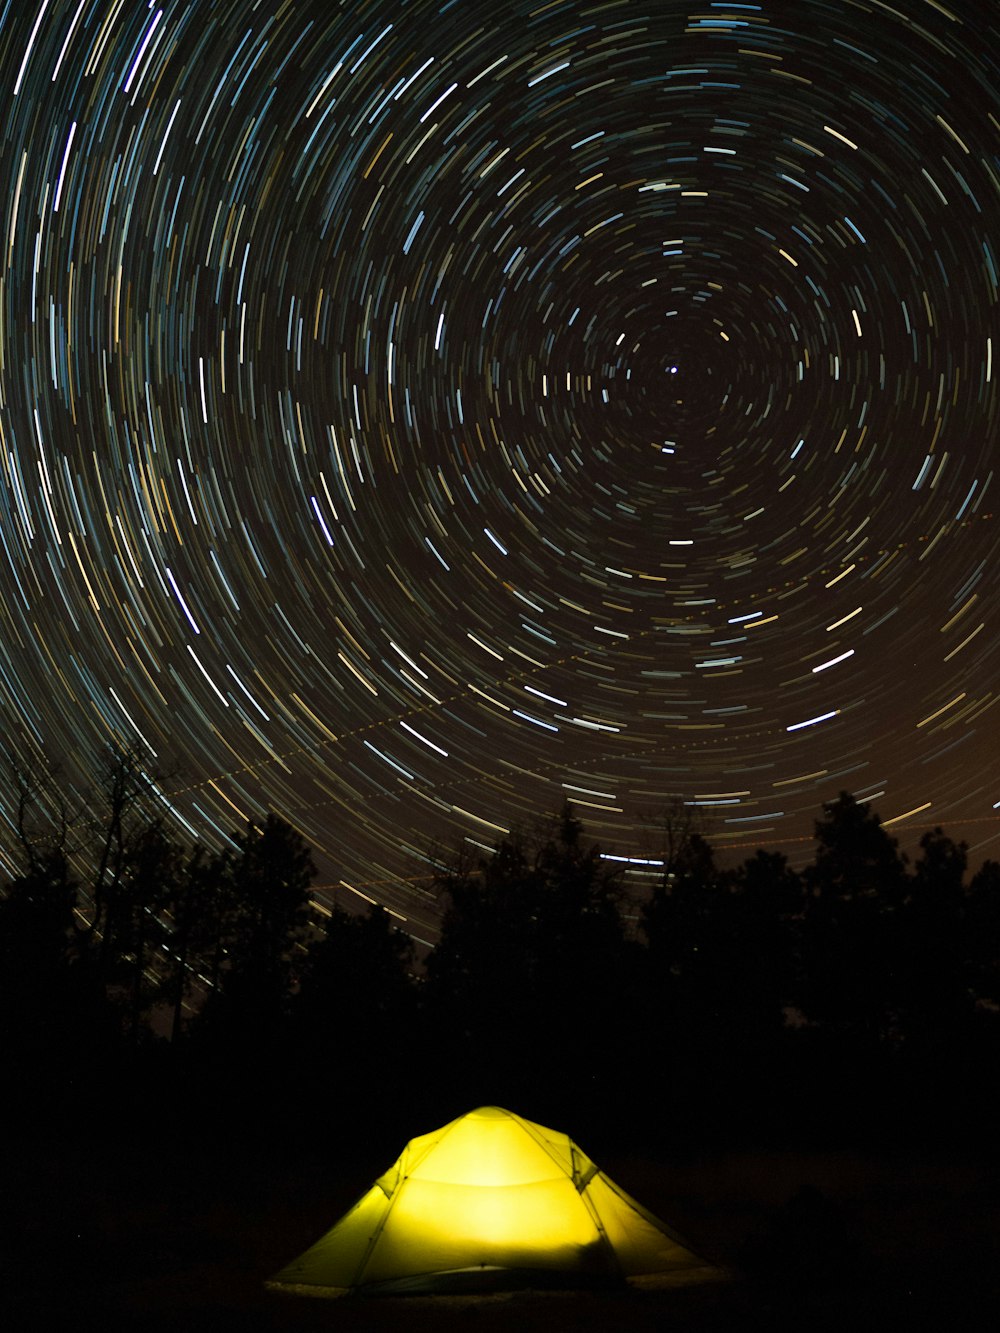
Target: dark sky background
413,414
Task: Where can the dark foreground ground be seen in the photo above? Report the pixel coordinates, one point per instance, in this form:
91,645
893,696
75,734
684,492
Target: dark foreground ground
120,1239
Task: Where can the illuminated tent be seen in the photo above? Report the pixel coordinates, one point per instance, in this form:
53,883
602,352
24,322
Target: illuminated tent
489,1200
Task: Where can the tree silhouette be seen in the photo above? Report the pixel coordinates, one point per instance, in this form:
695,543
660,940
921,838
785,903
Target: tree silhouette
138,930
123,861
930,996
855,857
354,1014
199,909
767,906
529,986
858,879
981,938
120,811
36,956
263,913
677,921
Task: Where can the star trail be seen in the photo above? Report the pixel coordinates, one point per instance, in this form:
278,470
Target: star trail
413,415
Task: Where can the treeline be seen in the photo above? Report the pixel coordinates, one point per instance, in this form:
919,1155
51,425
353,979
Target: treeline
146,986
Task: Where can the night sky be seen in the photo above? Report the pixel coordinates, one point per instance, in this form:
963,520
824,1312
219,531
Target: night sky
415,414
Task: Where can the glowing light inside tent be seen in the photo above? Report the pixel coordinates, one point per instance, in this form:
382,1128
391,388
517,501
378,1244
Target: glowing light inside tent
490,1191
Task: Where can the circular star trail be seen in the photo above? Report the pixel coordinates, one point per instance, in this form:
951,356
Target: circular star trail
413,415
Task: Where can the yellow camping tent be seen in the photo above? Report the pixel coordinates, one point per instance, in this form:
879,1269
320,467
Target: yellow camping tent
489,1199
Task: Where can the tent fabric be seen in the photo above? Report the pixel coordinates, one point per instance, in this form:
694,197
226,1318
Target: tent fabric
489,1194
